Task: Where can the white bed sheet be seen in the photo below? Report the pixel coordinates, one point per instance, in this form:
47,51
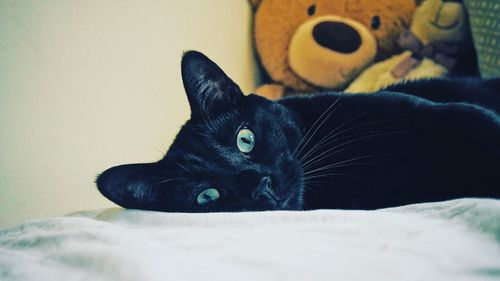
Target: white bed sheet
451,240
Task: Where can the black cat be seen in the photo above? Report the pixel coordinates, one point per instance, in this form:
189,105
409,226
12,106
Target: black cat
330,150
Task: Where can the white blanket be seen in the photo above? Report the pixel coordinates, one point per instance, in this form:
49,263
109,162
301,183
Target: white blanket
452,240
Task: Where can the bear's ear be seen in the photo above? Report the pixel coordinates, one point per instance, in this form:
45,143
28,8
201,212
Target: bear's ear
255,3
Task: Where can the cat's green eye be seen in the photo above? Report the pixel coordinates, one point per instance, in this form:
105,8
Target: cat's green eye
245,140
207,196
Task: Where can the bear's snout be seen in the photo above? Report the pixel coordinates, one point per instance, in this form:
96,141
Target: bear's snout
329,51
337,36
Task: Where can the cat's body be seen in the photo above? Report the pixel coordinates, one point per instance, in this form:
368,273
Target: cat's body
405,149
329,150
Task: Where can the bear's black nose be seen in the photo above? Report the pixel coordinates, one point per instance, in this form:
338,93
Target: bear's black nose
337,36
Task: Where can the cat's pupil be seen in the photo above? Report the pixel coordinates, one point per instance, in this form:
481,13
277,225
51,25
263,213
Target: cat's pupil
208,195
245,140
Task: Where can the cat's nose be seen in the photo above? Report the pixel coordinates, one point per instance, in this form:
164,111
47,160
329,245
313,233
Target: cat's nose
259,185
264,190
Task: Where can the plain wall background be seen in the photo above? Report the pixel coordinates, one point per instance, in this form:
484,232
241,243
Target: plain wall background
86,85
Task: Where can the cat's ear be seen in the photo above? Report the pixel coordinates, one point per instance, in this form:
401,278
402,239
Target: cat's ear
131,186
208,88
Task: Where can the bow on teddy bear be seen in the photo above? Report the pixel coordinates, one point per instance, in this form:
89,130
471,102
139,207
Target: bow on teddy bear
442,53
438,36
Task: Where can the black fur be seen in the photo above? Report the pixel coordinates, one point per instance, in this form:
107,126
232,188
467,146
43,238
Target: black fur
328,150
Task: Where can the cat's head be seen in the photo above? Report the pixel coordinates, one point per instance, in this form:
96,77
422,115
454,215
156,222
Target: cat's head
236,153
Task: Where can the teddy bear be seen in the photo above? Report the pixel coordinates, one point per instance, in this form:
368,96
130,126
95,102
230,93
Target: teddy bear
307,45
437,36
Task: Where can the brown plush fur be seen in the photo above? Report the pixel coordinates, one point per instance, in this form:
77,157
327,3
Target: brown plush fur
277,20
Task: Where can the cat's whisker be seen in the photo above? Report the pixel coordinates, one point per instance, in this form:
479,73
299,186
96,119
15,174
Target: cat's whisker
340,164
318,161
310,189
323,182
309,164
328,152
328,138
169,180
315,182
331,166
322,140
333,109
319,184
332,175
181,166
201,133
309,137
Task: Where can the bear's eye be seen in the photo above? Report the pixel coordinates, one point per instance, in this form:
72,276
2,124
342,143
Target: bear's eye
375,22
311,10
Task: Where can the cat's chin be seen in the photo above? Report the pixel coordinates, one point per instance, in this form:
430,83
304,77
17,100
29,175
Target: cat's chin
289,203
292,202
271,208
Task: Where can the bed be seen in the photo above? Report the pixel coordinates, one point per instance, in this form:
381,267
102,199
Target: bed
450,240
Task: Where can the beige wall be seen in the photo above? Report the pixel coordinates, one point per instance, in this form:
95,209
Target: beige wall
85,85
